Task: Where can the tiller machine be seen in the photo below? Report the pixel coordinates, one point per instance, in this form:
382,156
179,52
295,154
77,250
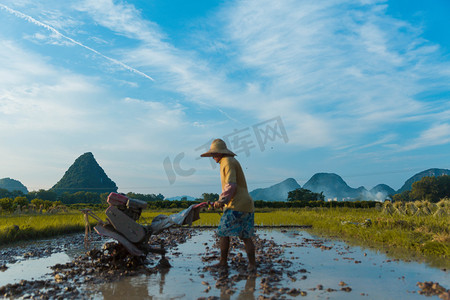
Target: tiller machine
121,224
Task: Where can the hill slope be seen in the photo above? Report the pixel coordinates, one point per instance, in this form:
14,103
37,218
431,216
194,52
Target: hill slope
85,174
332,186
427,173
12,185
277,192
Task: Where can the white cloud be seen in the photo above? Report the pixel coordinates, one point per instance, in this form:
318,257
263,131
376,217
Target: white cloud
55,115
51,39
322,66
37,96
436,135
156,114
175,69
122,18
343,64
342,75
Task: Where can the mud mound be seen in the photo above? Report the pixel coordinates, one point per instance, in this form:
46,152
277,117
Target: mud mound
107,264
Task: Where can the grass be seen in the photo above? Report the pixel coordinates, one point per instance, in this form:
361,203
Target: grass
424,235
33,226
421,234
427,235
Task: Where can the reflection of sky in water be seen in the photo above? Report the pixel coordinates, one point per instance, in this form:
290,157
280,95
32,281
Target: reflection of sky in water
374,276
36,268
32,269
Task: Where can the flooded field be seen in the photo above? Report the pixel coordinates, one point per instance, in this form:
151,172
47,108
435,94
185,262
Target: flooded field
291,263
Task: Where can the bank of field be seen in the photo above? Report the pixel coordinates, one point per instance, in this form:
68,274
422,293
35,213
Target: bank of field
420,233
34,226
21,227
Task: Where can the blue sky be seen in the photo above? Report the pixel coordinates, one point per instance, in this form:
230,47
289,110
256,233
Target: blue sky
356,88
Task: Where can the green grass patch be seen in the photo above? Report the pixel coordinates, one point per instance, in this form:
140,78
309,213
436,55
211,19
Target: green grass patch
34,226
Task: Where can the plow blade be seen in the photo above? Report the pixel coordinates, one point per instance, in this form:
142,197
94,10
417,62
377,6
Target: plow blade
132,249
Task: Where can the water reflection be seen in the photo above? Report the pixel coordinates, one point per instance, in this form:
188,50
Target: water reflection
249,289
367,272
128,288
323,262
32,269
406,255
152,286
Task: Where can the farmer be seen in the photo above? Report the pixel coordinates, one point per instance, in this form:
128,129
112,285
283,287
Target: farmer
238,216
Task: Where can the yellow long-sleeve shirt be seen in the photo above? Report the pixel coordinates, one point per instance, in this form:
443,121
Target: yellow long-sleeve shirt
231,172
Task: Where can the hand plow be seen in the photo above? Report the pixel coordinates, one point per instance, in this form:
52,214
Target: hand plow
121,223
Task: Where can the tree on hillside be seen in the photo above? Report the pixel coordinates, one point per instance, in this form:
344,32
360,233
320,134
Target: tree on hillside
80,197
304,195
45,203
402,197
20,201
145,197
432,188
42,194
4,193
443,184
210,197
6,204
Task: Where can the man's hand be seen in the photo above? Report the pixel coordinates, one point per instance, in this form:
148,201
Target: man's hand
218,204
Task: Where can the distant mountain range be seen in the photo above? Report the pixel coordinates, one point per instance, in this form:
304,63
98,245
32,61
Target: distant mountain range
85,174
334,187
427,173
12,185
277,192
188,198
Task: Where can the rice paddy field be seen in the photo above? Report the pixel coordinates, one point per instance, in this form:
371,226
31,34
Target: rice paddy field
421,228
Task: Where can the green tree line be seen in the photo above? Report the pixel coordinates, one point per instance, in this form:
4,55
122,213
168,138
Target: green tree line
431,189
10,205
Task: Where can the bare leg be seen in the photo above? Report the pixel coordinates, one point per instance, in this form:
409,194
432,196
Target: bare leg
250,249
224,244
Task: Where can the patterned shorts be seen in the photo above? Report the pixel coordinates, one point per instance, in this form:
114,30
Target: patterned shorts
236,223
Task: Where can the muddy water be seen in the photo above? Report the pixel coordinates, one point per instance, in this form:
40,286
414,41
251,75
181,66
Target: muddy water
32,260
292,264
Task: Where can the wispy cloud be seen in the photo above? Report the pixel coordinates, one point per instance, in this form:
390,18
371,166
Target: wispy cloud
36,96
323,66
346,79
436,135
59,34
55,114
123,19
181,71
344,63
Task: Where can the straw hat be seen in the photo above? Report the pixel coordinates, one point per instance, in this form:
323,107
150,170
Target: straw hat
218,147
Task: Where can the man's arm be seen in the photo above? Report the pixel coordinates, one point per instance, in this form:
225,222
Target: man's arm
228,192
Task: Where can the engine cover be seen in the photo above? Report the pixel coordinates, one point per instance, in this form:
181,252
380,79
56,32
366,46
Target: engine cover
131,230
